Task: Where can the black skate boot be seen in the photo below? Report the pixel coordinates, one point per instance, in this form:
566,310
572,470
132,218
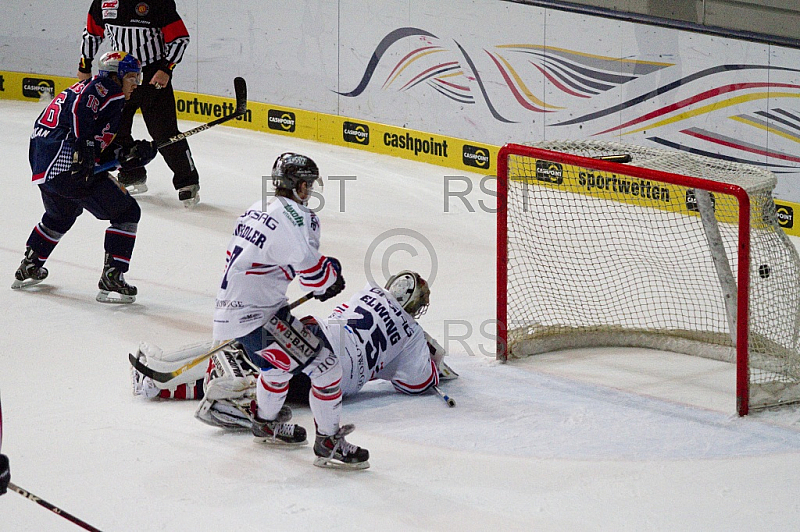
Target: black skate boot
334,451
278,431
134,180
189,195
28,273
112,281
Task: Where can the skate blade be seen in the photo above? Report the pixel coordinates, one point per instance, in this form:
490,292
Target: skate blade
104,296
190,203
17,284
279,443
332,463
133,190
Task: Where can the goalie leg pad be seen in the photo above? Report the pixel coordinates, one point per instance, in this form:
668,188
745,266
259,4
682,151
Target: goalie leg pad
154,358
230,375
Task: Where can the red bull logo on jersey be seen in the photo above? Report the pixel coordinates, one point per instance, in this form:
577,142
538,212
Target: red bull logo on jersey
105,137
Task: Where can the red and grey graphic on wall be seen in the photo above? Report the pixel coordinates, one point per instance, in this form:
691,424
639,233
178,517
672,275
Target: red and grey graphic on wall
708,111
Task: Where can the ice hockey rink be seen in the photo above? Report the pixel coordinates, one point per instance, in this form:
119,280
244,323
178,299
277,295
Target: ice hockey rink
609,439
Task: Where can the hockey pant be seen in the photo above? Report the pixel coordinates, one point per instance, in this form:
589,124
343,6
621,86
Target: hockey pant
284,347
158,111
104,199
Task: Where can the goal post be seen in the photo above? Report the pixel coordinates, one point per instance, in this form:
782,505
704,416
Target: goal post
667,250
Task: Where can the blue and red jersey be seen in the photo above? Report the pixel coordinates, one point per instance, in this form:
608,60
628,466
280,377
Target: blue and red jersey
90,109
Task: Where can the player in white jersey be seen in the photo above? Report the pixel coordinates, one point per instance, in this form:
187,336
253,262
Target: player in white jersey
375,337
269,248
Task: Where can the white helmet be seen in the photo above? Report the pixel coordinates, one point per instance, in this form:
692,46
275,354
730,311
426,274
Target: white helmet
411,291
121,64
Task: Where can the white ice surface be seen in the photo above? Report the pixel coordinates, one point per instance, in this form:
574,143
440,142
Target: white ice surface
606,439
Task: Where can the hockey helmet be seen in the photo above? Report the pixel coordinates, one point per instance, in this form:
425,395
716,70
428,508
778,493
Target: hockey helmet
119,63
291,169
411,291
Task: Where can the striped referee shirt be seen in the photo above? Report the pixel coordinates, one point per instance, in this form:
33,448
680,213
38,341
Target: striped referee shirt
152,31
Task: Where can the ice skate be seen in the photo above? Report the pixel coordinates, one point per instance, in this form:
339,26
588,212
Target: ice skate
134,181
335,452
113,288
189,195
28,273
278,431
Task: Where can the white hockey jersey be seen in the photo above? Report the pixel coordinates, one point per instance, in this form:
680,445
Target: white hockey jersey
374,338
268,249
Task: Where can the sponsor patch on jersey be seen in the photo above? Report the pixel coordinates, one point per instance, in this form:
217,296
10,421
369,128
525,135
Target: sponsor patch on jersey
109,14
102,91
253,316
142,9
276,357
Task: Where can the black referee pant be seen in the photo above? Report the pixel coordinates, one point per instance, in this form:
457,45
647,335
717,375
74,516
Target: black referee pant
161,119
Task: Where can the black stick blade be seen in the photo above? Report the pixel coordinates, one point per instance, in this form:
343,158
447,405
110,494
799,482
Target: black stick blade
240,88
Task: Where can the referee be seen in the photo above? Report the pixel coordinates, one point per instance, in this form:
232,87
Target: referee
153,32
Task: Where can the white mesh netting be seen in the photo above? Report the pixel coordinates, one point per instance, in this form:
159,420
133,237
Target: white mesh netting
603,258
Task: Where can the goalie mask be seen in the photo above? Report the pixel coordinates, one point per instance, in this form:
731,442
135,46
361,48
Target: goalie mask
411,291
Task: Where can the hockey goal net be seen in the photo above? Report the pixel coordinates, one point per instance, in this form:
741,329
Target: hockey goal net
668,250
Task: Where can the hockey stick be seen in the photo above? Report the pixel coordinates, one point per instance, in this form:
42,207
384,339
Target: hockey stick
447,399
34,498
166,376
53,508
240,89
617,158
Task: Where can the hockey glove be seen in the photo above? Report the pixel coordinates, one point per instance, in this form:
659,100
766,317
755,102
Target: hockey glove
138,155
5,473
337,286
82,167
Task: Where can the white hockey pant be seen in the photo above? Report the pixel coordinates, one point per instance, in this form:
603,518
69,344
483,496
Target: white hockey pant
325,396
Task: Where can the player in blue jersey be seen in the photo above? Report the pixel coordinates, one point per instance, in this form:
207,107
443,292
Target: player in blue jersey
71,135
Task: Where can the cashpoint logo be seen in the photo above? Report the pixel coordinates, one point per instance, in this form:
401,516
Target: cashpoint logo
475,156
281,120
356,133
36,87
549,172
785,216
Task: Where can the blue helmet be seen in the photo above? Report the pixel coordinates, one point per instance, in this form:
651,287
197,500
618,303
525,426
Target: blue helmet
119,63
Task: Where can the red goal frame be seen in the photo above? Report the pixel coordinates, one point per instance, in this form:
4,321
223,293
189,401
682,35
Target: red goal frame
743,274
